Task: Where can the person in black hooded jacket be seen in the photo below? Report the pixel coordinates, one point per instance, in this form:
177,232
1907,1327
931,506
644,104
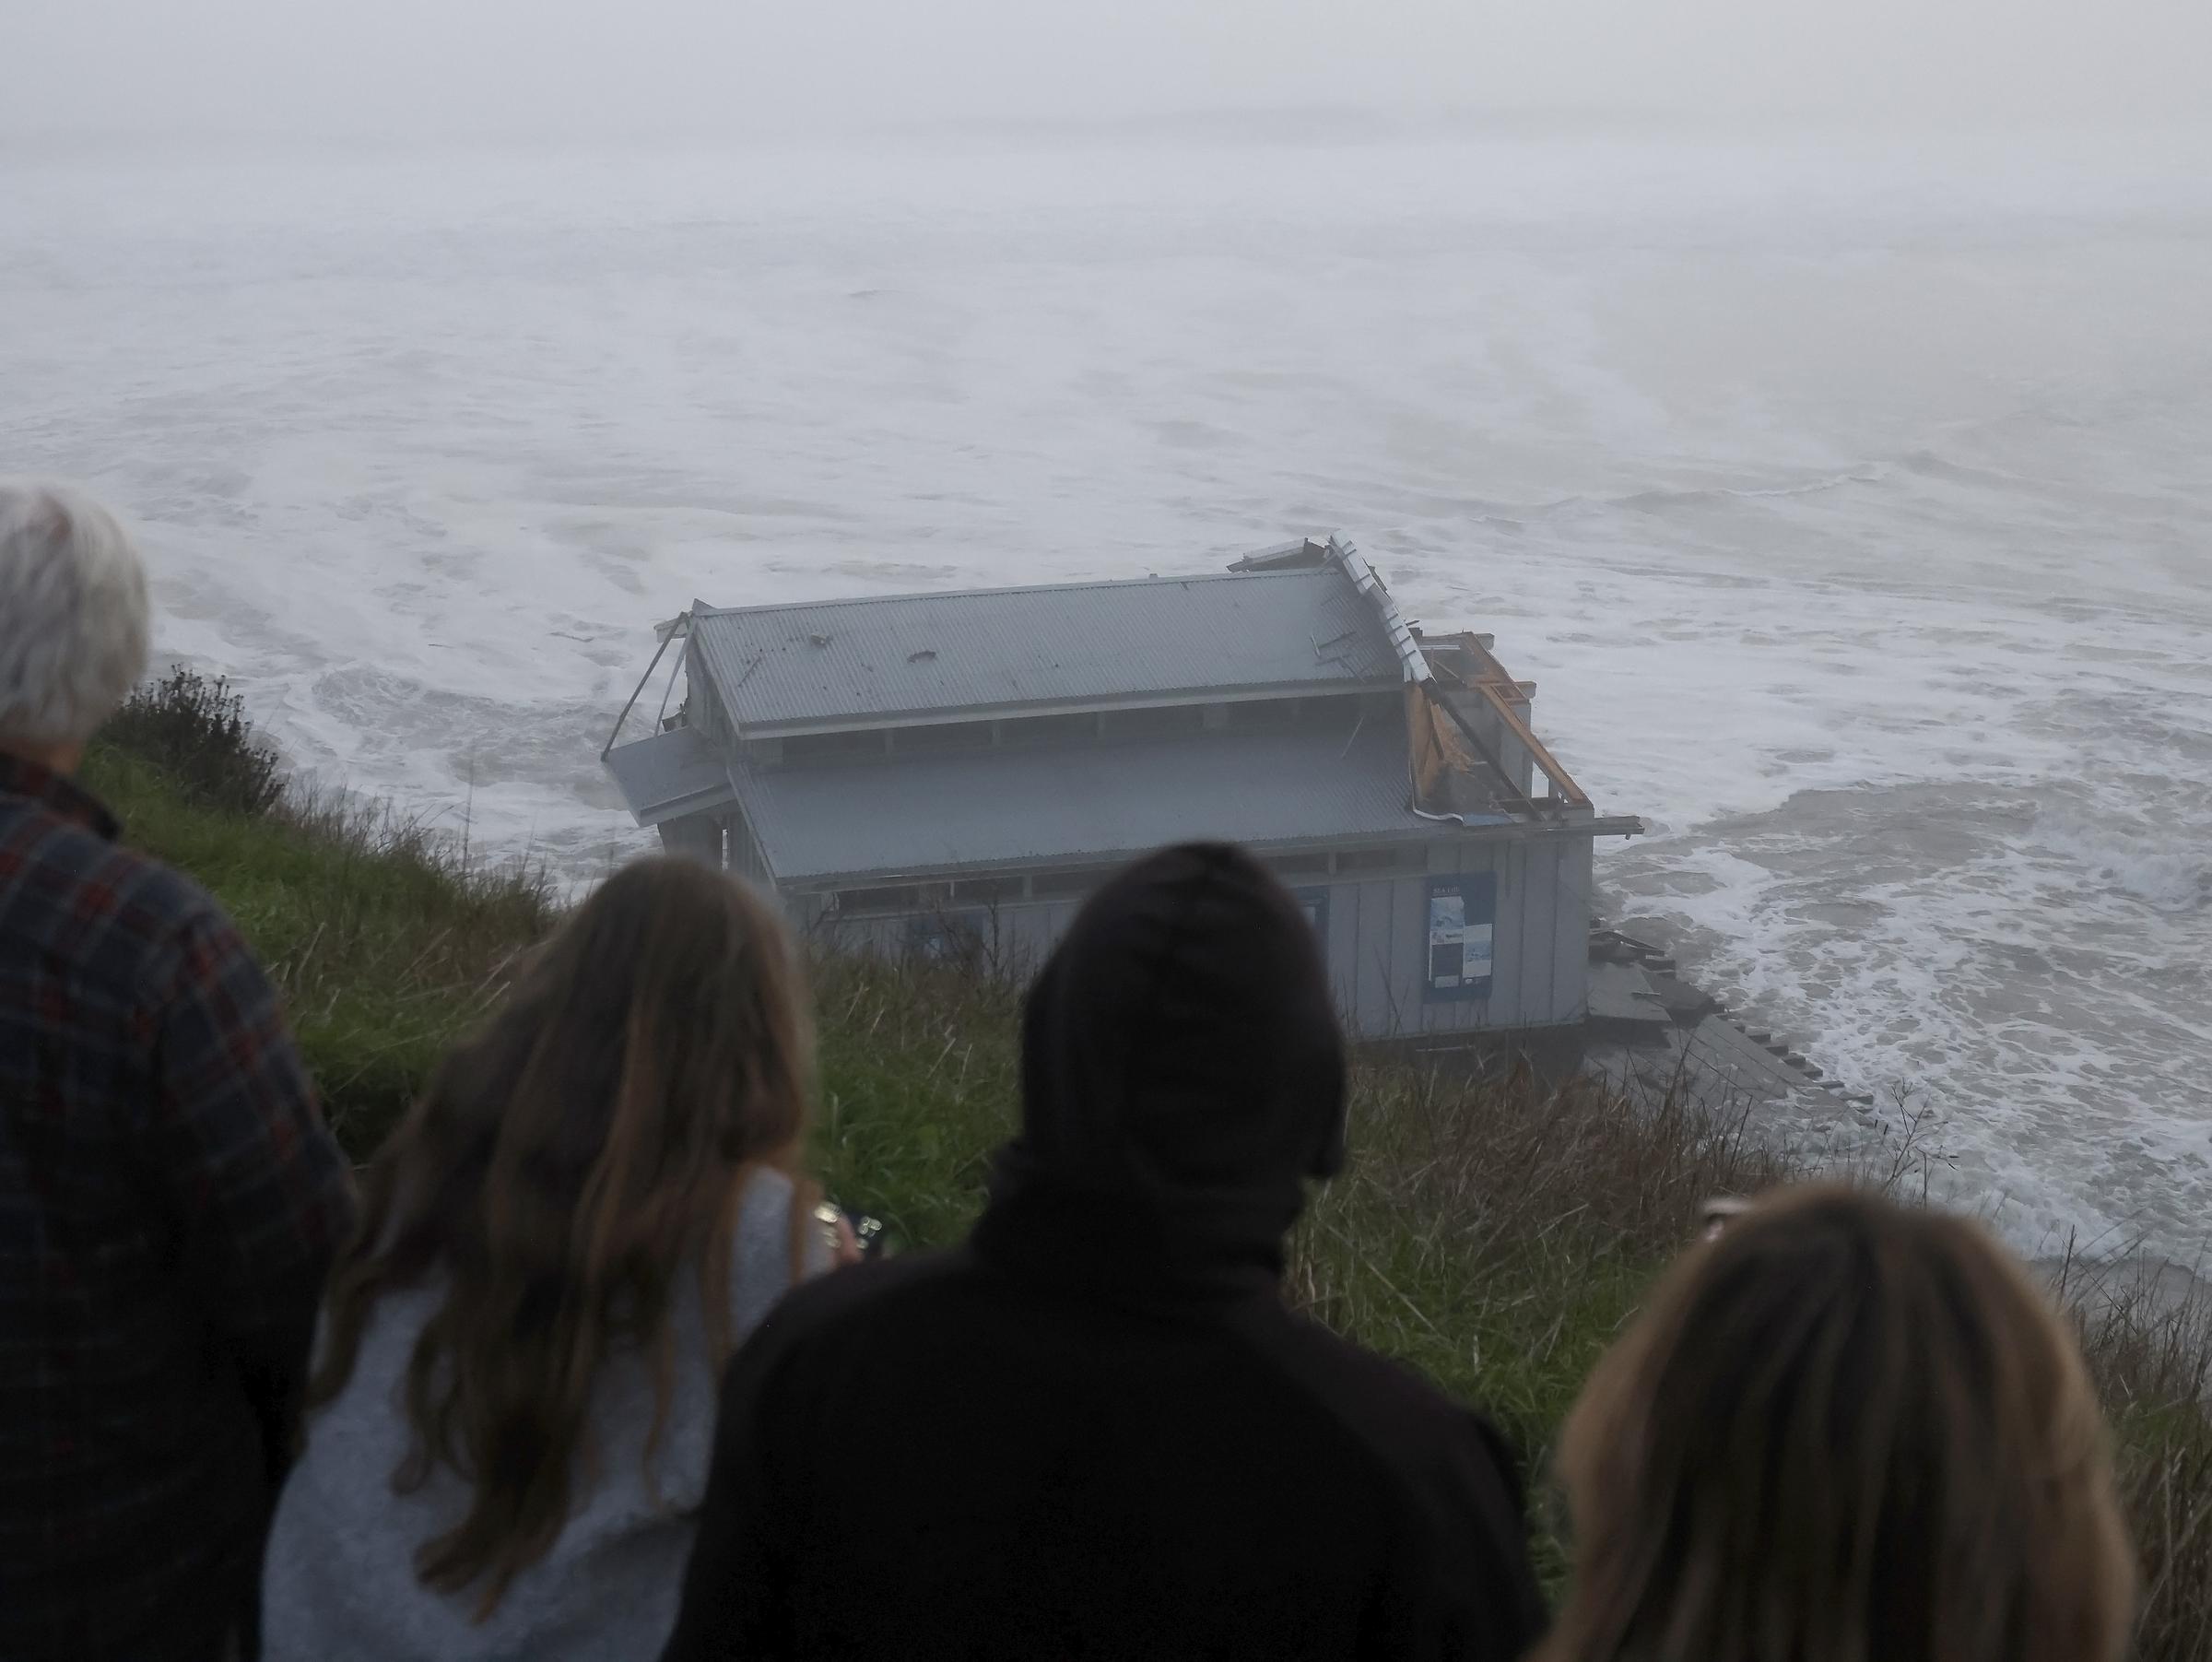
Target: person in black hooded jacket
1094,1430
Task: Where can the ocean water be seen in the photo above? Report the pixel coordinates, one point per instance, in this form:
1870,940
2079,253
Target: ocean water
1847,500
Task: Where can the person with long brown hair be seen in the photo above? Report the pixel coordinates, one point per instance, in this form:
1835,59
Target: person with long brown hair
561,1246
1843,1430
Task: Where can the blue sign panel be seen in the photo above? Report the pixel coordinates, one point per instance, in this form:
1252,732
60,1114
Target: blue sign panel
1463,917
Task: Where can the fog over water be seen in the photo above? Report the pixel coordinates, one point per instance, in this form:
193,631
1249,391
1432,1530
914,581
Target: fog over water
281,71
1843,486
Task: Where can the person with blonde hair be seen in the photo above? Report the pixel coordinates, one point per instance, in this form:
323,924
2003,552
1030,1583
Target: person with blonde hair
170,1197
561,1246
1843,1430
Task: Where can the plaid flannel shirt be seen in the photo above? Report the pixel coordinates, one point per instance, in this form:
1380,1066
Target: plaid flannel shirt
170,1202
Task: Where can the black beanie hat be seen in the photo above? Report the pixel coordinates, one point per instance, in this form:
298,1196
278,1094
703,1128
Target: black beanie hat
1183,1036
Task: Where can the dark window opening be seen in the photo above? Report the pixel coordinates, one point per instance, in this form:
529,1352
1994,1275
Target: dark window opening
1336,714
1378,859
958,937
1263,715
1079,880
1165,722
942,735
828,746
1047,729
905,897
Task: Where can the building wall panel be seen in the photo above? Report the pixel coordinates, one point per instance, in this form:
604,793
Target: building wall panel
744,850
1340,944
1376,947
1377,1008
1572,865
703,704
693,837
1409,951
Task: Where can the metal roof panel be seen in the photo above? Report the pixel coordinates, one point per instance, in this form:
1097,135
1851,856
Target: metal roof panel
672,772
1078,805
891,657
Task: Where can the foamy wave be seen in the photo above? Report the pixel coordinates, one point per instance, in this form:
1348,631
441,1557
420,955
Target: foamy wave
2167,868
2035,974
1852,540
1666,498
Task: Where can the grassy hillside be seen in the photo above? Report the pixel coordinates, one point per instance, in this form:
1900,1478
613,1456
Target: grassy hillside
1493,1232
383,944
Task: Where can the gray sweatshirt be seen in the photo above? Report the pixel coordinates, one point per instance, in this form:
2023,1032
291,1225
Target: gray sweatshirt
340,1580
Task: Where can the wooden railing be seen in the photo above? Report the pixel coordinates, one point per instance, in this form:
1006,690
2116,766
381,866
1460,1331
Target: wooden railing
1490,682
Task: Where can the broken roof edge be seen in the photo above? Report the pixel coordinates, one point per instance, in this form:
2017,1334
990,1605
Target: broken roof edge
668,775
1360,572
705,803
1298,556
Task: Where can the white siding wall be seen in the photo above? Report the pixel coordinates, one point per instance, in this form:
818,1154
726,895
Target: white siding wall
701,708
1377,944
1021,932
744,850
1573,859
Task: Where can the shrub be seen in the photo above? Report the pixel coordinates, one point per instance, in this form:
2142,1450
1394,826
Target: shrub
2148,1344
195,730
387,938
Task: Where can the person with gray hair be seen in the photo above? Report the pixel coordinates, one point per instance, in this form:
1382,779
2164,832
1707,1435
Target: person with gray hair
169,1198
73,623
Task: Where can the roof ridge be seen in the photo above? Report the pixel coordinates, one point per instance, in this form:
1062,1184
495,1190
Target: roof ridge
1361,738
1179,579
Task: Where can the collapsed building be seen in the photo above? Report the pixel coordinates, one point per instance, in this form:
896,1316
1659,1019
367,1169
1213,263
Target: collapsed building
950,774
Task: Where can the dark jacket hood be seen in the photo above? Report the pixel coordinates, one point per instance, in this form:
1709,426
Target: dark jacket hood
1182,1069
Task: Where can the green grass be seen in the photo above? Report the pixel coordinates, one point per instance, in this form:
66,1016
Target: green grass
1465,1236
919,1069
1495,1233
383,943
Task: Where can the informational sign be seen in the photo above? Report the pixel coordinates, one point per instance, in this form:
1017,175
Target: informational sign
1463,917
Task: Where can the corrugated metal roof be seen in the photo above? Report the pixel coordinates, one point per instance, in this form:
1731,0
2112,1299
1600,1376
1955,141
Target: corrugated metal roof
1081,804
670,773
875,659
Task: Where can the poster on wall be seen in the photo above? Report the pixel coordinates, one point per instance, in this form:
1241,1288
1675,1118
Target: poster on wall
1463,917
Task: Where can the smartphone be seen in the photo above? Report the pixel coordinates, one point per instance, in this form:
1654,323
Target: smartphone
867,1230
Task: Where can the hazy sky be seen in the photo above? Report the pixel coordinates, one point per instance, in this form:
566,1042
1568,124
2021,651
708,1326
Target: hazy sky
348,68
